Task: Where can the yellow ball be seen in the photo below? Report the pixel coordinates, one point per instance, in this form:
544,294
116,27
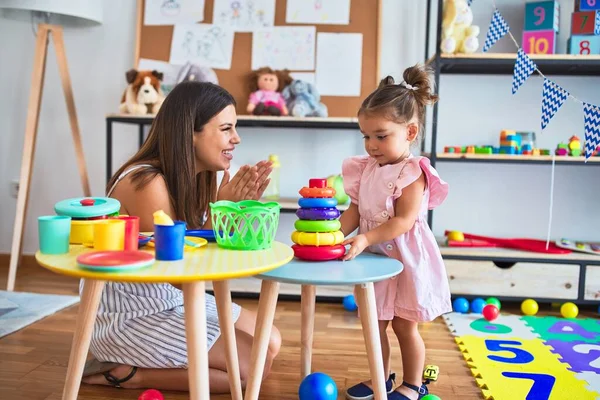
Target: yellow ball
456,236
569,310
529,307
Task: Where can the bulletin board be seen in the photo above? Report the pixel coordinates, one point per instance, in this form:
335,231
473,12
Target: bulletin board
154,42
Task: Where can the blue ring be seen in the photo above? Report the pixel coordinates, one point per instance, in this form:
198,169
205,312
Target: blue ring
73,207
317,202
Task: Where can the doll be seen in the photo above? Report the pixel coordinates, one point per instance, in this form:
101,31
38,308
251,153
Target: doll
265,87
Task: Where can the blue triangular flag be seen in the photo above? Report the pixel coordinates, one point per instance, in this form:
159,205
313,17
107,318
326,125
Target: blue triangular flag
553,97
591,123
524,67
498,28
469,2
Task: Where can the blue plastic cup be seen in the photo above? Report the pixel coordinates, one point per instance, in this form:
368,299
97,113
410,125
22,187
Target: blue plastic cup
54,232
169,241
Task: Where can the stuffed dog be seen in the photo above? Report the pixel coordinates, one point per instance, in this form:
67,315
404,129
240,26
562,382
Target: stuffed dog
143,94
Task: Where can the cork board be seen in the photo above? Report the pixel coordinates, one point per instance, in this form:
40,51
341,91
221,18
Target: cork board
154,42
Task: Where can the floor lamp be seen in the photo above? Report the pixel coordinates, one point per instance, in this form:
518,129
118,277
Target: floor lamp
81,8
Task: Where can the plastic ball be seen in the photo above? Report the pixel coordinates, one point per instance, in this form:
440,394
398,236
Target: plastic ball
569,310
461,305
151,394
350,303
490,312
477,305
430,397
529,307
317,386
494,301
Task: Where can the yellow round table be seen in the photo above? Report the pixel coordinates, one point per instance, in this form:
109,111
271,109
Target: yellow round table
207,263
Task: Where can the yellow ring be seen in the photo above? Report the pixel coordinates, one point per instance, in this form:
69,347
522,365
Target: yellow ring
317,238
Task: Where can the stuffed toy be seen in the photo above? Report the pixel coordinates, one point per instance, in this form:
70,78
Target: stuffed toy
458,35
303,99
143,94
195,72
265,87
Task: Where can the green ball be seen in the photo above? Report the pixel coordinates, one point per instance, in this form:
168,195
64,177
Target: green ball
494,301
430,397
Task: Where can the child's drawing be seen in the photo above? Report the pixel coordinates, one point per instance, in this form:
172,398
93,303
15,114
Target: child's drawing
170,8
284,47
171,12
244,15
204,44
318,12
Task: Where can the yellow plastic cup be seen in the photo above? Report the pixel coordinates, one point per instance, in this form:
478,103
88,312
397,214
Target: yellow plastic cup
109,235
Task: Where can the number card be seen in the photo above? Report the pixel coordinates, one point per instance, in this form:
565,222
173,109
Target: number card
539,42
584,45
585,23
542,16
585,5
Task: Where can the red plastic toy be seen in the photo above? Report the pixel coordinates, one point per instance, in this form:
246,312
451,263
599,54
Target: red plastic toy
490,312
151,394
319,253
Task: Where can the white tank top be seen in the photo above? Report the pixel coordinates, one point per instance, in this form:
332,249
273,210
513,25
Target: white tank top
124,174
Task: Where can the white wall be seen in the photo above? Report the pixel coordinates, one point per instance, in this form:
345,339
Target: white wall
506,199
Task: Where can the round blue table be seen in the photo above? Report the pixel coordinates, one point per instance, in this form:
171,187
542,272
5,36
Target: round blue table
361,272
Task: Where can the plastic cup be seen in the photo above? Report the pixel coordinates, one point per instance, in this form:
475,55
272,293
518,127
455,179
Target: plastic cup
169,241
132,231
54,232
109,235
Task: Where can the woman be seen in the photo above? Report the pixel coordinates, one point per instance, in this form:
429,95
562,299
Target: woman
139,335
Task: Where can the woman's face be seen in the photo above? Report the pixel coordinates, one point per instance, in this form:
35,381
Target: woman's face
214,145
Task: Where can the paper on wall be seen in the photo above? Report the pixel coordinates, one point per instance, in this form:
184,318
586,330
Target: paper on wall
204,44
318,12
171,12
244,15
169,71
339,64
284,47
304,76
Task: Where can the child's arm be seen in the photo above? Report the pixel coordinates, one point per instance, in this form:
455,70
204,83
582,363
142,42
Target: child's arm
349,219
406,209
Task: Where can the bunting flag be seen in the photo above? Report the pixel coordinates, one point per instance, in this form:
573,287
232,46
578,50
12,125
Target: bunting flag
498,28
524,67
469,2
553,97
591,122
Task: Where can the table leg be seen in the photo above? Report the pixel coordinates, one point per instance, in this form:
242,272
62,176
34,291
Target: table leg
365,294
195,332
88,309
307,311
262,332
223,297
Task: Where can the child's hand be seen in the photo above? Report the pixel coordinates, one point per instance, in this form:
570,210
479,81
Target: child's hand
358,244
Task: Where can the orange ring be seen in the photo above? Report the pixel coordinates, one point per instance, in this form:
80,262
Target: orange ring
317,192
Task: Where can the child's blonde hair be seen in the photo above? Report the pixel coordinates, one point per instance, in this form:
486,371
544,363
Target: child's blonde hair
401,102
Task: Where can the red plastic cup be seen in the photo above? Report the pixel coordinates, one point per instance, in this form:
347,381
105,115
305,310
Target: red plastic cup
132,231
317,183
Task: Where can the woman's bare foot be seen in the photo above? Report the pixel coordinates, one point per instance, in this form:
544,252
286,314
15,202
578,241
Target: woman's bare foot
118,373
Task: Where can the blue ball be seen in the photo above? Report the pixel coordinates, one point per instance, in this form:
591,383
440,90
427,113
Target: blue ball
461,305
350,303
317,386
477,305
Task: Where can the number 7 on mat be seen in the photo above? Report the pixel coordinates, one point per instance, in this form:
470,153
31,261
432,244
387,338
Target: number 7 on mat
542,384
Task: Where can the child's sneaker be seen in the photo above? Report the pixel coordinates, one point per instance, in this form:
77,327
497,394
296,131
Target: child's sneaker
363,392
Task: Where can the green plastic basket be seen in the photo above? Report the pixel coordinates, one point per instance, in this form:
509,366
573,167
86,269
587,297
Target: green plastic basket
245,225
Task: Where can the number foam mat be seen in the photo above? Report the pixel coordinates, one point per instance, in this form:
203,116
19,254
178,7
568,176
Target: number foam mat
529,357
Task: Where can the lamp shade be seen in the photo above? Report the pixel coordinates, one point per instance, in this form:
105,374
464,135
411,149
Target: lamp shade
86,9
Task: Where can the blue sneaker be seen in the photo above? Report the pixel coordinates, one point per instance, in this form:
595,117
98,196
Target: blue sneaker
399,396
363,392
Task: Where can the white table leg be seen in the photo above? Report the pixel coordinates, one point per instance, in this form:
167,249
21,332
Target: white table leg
307,311
262,332
195,332
365,294
223,298
88,309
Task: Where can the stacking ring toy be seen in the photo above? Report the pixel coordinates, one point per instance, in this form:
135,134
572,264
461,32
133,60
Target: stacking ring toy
317,192
317,238
317,202
314,253
317,226
316,214
87,207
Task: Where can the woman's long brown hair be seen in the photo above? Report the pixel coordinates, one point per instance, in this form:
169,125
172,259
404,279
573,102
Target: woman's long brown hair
169,149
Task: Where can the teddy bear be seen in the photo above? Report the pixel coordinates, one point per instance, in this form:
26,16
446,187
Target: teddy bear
143,94
303,99
458,33
266,85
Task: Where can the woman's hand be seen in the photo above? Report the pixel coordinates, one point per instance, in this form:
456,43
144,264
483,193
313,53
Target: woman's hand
264,169
357,244
249,183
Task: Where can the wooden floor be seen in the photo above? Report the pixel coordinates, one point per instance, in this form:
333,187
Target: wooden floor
33,361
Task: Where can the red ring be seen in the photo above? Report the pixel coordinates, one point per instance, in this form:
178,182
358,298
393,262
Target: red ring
307,192
319,253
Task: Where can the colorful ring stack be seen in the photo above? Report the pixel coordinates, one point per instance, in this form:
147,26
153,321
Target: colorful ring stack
317,236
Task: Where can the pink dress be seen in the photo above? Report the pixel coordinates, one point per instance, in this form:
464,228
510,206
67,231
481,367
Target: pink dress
420,292
268,97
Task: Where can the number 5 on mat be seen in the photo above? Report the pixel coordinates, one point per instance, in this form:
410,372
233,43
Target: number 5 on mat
520,356
542,384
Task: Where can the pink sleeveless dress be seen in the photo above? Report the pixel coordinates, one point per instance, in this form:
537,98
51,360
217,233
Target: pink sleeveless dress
420,292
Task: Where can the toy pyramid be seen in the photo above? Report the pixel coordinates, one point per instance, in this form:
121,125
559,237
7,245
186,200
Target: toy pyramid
318,236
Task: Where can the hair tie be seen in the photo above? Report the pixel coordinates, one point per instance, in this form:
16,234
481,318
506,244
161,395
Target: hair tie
409,87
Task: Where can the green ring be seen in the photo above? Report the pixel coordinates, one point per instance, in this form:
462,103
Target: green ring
317,226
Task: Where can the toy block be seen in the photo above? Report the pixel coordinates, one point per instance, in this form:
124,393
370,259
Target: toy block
585,5
483,150
542,16
585,23
508,150
536,152
544,152
539,42
583,45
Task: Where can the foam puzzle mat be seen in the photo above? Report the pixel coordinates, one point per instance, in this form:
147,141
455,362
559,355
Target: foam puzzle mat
530,357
